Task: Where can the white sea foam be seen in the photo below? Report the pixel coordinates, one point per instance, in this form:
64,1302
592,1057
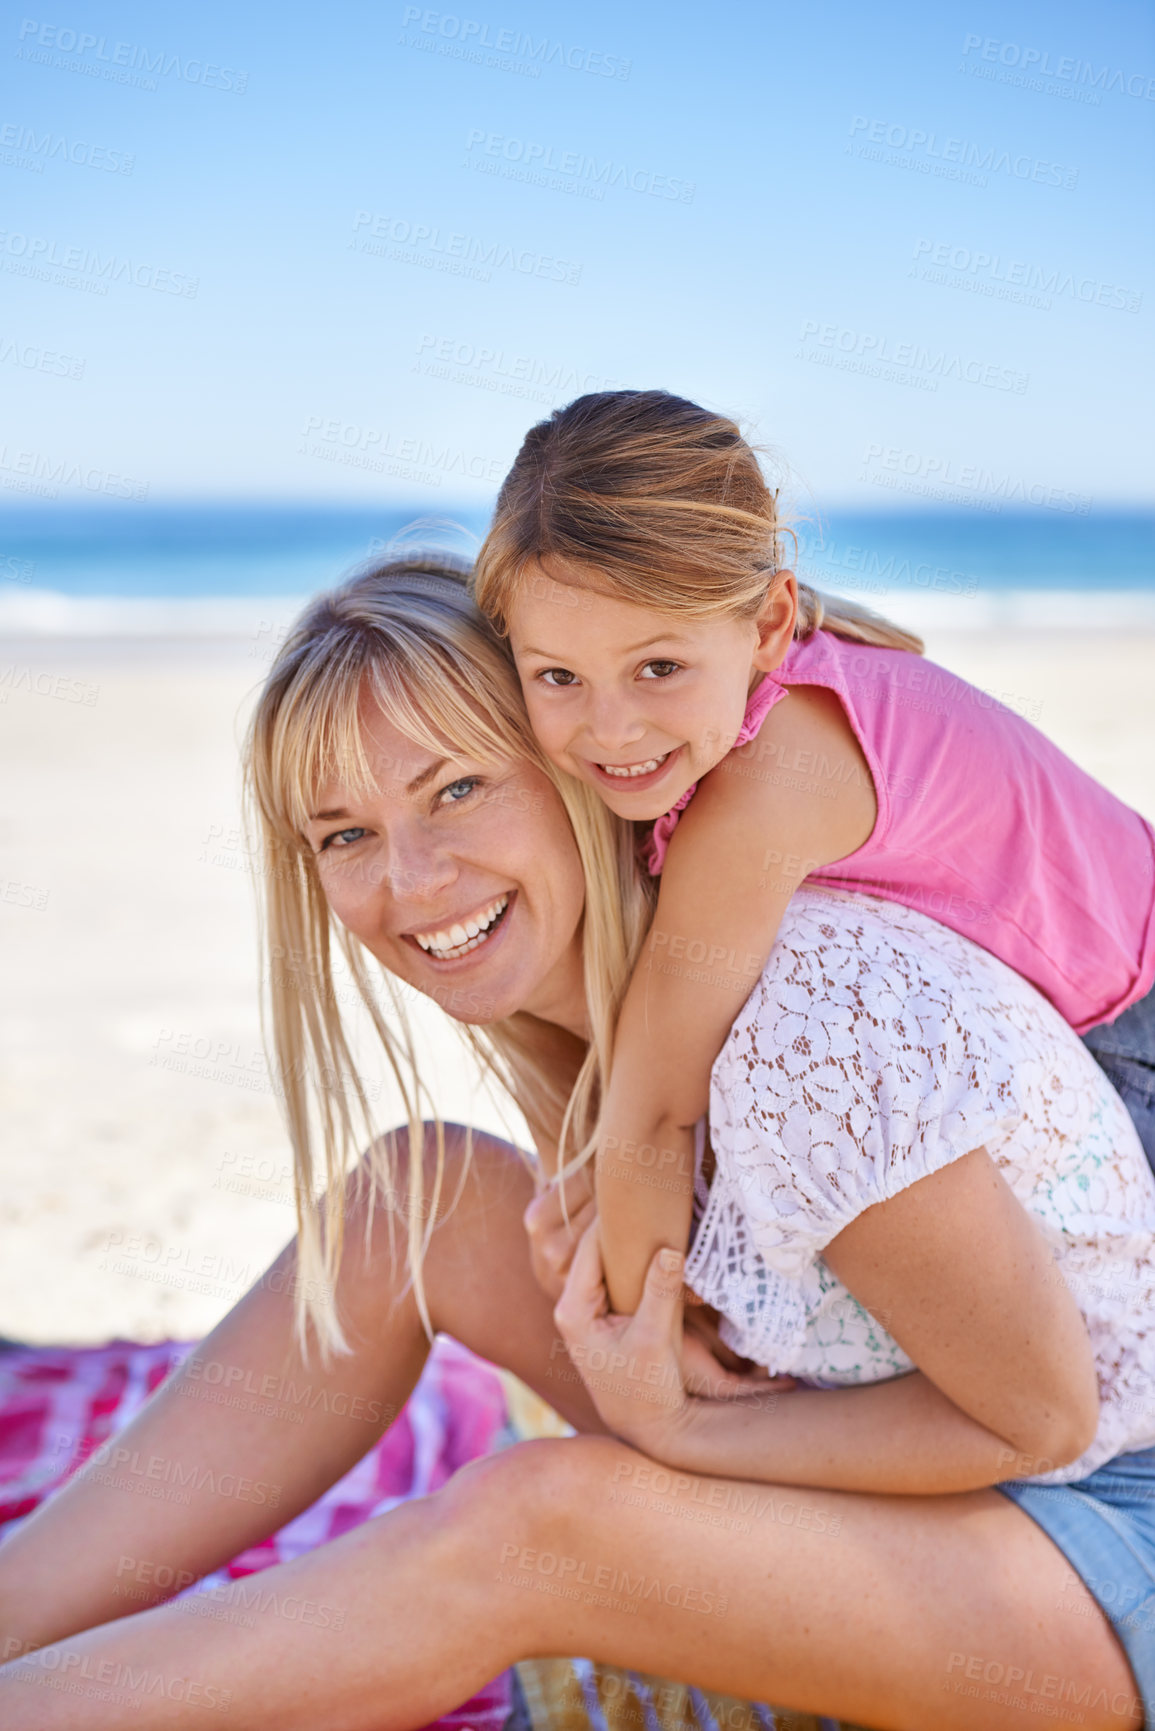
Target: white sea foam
47,613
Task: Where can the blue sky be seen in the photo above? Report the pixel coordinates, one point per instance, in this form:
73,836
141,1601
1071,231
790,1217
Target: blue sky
362,275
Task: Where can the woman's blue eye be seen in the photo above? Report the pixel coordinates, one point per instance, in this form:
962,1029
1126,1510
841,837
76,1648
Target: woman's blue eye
659,669
560,676
341,837
456,791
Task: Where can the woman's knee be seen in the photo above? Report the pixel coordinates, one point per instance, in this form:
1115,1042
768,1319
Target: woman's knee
538,1499
455,1163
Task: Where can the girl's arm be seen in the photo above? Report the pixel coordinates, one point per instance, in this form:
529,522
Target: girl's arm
745,843
712,932
1006,1382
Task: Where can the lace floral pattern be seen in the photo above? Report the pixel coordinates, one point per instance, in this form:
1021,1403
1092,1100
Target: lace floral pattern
878,1047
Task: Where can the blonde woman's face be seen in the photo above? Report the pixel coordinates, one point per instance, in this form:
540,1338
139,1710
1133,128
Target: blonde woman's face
461,877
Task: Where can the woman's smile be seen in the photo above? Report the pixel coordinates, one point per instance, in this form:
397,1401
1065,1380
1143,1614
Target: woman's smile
461,937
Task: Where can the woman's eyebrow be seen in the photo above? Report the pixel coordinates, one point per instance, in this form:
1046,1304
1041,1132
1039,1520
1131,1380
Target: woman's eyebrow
415,786
426,776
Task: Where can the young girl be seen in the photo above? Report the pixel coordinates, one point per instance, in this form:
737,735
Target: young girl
633,562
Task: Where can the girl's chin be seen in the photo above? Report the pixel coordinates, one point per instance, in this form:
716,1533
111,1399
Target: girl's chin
637,809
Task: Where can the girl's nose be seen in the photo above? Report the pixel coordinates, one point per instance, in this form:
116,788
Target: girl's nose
614,724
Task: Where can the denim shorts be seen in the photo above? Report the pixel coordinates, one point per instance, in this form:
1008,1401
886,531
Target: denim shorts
1125,1050
1105,1527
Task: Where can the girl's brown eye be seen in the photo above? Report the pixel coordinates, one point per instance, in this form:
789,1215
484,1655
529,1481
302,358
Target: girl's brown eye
659,669
557,676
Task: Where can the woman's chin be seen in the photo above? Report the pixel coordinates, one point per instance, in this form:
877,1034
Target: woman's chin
478,988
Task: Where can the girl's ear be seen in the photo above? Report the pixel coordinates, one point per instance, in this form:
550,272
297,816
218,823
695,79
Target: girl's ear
775,622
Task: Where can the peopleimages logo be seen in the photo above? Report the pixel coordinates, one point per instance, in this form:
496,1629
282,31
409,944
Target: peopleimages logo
880,356
50,261
1037,61
484,368
42,147
120,62
937,476
536,159
1006,278
428,245
470,35
957,153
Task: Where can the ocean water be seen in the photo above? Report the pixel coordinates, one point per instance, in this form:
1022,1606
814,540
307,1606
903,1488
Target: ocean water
218,567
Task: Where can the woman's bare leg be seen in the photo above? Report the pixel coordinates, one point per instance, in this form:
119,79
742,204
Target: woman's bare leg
907,1613
291,1430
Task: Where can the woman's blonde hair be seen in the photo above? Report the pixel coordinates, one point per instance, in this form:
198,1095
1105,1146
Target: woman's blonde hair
408,635
665,504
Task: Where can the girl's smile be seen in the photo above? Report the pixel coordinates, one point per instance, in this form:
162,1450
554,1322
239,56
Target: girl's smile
637,702
627,781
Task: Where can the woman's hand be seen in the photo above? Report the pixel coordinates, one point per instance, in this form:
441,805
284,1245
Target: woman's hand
631,1365
645,1372
552,1237
709,1367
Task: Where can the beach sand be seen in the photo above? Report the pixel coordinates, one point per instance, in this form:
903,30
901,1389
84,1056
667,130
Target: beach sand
145,1173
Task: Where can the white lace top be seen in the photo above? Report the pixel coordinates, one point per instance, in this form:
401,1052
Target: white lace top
877,1047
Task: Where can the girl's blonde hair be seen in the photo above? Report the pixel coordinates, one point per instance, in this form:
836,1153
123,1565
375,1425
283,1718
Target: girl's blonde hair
664,504
408,635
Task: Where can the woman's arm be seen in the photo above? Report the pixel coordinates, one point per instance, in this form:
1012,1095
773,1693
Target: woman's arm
1006,1382
750,836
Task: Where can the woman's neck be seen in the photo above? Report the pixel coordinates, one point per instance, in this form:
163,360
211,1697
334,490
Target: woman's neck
561,997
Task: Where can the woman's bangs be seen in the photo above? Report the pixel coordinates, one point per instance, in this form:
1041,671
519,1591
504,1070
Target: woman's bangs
322,738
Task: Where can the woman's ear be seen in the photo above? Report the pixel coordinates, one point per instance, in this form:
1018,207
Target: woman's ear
775,622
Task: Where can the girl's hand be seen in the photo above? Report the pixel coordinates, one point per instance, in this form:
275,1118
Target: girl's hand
631,1365
552,1238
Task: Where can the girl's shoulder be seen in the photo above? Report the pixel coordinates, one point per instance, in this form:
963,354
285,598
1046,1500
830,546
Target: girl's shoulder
825,657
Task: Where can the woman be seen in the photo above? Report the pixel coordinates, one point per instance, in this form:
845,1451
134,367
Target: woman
402,797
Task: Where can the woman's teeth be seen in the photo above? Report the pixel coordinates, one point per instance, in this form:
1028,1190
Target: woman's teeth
460,939
628,770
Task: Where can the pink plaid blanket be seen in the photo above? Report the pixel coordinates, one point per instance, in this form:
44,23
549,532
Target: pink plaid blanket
58,1405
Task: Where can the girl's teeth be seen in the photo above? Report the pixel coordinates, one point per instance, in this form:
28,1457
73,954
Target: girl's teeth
626,771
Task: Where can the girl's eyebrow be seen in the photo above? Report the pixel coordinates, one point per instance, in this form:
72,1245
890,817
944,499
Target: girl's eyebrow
627,649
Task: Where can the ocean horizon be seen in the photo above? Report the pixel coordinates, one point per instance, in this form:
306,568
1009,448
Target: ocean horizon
215,566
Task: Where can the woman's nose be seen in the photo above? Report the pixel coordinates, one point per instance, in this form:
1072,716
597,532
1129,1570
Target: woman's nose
418,869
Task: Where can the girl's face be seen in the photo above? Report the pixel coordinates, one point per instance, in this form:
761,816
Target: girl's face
629,699
461,877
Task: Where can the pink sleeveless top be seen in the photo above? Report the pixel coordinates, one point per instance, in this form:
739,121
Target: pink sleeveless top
982,823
